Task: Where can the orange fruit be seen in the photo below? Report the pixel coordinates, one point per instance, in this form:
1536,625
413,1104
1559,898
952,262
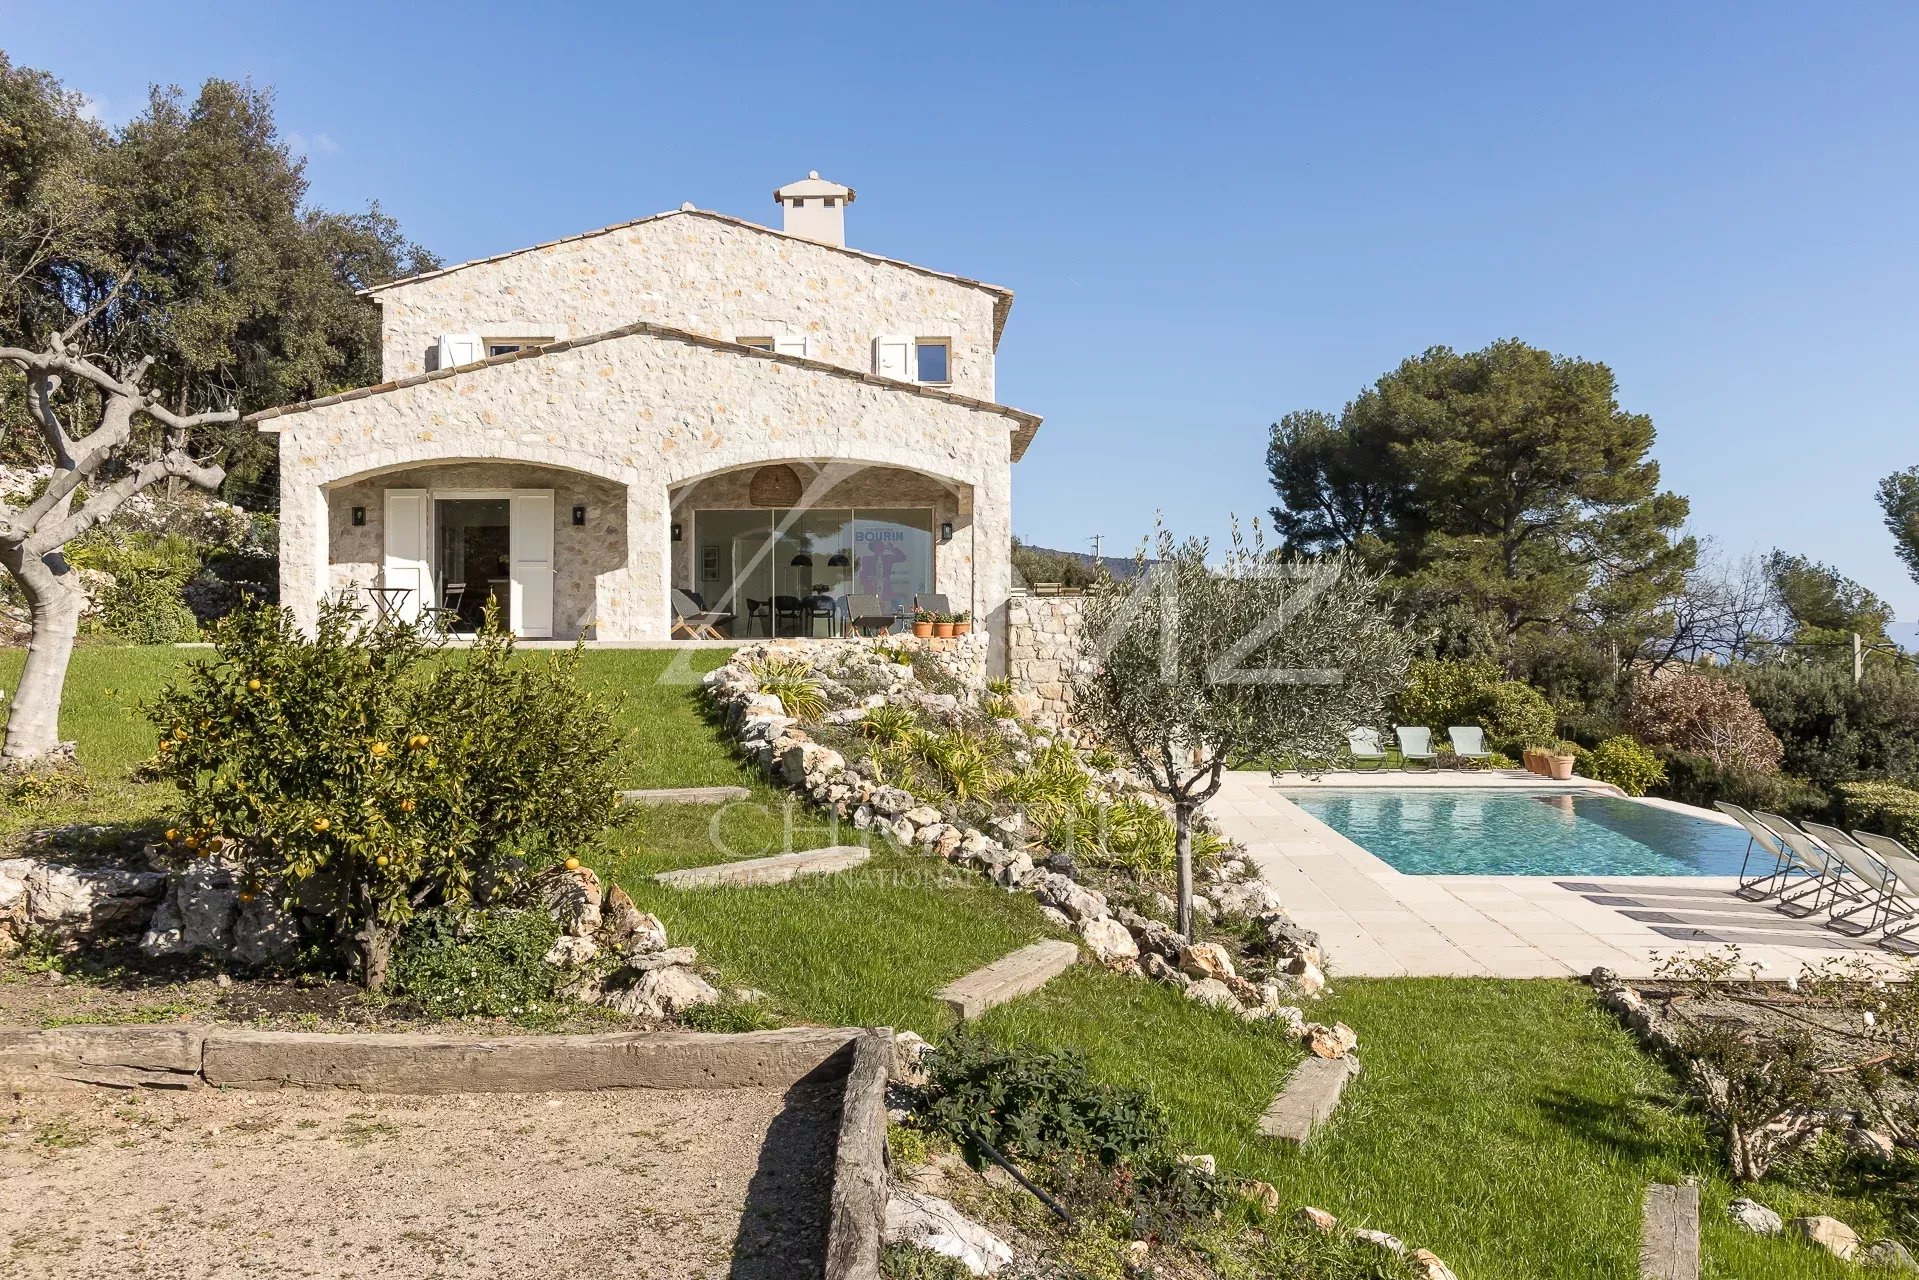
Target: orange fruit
180,734
380,861
406,806
246,897
378,748
253,686
192,842
321,824
173,833
572,864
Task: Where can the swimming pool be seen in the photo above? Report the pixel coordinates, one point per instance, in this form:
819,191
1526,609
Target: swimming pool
1434,832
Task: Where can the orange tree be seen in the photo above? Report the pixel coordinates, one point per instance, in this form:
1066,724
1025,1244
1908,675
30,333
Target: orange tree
365,778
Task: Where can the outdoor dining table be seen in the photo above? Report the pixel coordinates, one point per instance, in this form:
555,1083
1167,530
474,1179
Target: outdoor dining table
388,601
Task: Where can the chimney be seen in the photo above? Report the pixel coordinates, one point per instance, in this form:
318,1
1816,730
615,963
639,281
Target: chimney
815,209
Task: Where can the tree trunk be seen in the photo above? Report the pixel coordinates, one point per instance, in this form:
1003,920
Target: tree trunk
373,942
33,721
1183,846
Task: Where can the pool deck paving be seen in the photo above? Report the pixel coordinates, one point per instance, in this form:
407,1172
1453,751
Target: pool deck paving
1376,921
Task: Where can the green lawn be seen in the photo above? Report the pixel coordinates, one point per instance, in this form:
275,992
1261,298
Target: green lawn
1510,1126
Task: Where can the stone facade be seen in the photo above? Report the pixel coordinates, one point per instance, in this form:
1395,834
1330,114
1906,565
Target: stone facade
705,273
644,408
643,413
1042,638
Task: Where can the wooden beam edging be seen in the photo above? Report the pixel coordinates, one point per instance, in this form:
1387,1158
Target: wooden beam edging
858,1210
1669,1233
187,1057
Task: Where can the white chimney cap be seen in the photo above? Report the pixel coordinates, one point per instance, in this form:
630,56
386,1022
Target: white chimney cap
811,186
687,207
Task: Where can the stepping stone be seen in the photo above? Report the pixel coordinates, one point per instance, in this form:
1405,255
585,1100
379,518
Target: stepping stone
774,870
1669,1233
685,795
1311,1094
1011,976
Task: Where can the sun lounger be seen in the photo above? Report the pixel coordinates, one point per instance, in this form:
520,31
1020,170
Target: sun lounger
1881,885
1415,744
1824,872
1760,837
1904,865
1363,749
1469,742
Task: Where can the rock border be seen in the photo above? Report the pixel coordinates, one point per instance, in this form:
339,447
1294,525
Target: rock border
192,1056
1120,939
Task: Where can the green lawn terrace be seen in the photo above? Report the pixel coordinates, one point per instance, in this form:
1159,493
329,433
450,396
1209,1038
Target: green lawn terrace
1509,1125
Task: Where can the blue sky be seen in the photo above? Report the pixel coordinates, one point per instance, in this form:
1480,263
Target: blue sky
1211,216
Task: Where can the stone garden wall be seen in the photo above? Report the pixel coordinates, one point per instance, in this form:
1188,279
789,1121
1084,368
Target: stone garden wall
1042,639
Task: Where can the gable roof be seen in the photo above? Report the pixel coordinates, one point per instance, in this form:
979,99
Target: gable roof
1025,425
1002,296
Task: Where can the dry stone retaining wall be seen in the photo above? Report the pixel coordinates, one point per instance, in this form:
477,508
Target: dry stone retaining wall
1042,651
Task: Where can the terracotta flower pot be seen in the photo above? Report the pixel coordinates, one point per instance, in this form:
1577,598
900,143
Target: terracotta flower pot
922,629
1535,762
962,628
943,630
1560,768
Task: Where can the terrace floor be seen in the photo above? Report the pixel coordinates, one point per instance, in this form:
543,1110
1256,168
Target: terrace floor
1376,921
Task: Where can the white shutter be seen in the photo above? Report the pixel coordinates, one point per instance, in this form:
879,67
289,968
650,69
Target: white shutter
409,549
793,345
893,357
458,349
530,549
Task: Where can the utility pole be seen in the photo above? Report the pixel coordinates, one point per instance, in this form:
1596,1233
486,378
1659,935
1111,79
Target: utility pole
1095,540
1858,659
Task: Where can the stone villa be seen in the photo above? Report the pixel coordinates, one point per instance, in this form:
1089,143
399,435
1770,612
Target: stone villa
684,408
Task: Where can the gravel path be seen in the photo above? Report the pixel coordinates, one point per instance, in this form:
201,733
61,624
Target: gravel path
245,1184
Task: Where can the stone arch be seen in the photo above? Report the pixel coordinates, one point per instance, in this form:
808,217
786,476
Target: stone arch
428,453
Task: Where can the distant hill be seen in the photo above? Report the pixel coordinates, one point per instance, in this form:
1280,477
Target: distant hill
1074,568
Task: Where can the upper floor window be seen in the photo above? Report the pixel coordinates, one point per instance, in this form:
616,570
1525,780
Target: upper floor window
933,360
507,346
794,344
924,360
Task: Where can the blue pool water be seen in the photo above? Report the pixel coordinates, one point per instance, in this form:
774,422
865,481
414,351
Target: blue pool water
1465,832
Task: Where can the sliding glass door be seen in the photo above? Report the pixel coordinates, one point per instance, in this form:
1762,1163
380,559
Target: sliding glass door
788,572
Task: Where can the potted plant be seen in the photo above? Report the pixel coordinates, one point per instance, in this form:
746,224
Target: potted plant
962,623
923,622
943,625
1560,761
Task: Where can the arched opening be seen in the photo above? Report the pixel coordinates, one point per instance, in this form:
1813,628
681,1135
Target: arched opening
812,547
440,541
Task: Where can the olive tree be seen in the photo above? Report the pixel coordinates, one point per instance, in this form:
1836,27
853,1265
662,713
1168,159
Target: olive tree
131,442
1193,665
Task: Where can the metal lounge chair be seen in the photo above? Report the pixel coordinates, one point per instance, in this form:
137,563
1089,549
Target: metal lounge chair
1759,836
692,620
934,602
1824,872
1363,749
1904,865
1469,742
1415,743
1882,886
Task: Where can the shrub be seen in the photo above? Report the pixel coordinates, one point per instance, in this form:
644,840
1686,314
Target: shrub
350,770
486,964
793,683
1045,1109
144,605
1831,730
1628,764
1441,692
1703,714
1699,780
1881,807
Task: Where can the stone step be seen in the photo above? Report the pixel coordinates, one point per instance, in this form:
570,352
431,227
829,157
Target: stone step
1311,1095
775,870
1011,976
685,795
1669,1233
